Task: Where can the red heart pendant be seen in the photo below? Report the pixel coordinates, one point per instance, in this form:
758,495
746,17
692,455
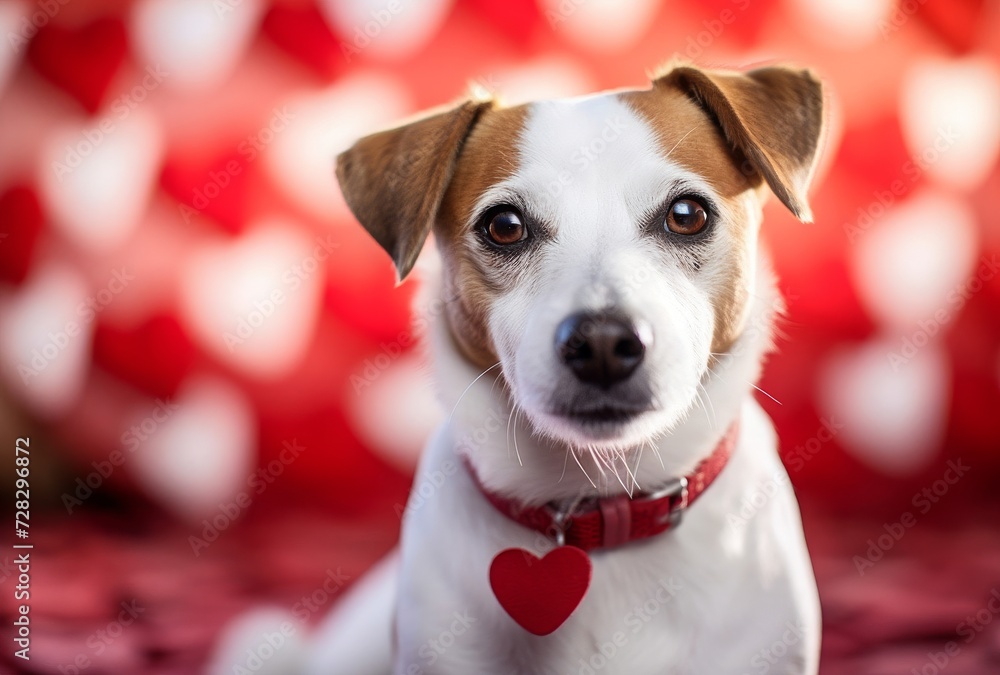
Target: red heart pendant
540,593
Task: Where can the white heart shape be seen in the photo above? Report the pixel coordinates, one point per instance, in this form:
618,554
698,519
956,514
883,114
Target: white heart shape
892,400
301,158
389,381
386,30
269,631
196,452
253,302
546,77
910,265
950,114
96,177
600,25
45,339
198,42
845,24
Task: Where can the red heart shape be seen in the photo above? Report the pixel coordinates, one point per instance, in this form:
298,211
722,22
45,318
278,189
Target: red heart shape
304,34
955,23
515,20
540,593
155,356
21,223
217,190
81,61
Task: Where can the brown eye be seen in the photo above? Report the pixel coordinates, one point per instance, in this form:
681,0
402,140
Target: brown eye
686,216
506,227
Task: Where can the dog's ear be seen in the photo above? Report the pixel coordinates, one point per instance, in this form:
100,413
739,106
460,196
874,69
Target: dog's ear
774,116
394,180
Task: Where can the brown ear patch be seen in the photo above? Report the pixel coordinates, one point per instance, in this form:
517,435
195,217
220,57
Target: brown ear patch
774,116
689,138
394,180
768,124
490,156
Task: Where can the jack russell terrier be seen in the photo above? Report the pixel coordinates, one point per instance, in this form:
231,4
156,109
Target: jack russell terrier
584,507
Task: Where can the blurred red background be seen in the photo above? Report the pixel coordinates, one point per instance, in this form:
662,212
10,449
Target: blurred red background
189,313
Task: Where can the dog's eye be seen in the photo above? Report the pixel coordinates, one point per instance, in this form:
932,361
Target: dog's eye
506,227
686,216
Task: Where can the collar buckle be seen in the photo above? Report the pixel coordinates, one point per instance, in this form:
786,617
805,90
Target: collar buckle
677,490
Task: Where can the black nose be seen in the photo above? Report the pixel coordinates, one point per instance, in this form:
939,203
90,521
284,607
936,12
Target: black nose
600,348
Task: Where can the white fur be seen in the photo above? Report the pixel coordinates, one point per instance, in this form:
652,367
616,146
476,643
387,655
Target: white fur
742,596
742,586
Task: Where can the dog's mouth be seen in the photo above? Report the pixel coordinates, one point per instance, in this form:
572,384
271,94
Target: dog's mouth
605,415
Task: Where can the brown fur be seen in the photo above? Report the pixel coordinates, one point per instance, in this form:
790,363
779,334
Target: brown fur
490,156
766,126
774,116
767,123
691,140
394,180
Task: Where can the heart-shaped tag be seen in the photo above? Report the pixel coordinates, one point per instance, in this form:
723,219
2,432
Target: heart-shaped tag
540,593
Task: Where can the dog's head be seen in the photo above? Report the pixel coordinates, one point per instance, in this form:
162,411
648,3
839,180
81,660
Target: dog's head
601,249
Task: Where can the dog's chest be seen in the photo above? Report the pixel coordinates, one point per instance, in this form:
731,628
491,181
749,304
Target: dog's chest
685,602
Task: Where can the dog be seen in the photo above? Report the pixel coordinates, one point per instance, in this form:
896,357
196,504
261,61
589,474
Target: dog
606,495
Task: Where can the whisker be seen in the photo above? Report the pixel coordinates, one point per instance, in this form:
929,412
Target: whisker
712,419
579,464
755,387
638,459
764,392
565,462
595,456
506,435
635,483
470,387
613,466
682,138
516,451
656,451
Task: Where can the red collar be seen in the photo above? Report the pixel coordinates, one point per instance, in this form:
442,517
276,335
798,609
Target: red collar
612,521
